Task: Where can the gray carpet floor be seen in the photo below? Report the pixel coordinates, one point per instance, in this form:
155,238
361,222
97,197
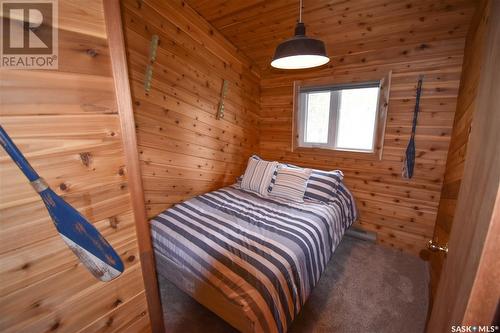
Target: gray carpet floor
365,288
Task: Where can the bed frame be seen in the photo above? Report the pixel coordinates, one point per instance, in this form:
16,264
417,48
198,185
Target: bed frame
204,294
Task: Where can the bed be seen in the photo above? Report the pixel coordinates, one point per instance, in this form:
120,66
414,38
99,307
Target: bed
250,259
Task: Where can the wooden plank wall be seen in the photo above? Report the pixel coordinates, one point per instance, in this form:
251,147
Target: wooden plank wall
184,149
401,212
66,123
466,107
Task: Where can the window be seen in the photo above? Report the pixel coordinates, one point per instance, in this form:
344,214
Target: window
339,117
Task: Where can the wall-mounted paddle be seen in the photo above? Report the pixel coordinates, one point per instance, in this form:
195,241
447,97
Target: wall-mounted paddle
81,236
409,159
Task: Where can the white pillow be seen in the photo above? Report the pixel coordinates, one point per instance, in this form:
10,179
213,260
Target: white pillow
258,176
291,183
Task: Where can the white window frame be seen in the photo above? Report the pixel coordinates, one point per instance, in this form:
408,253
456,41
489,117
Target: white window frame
303,95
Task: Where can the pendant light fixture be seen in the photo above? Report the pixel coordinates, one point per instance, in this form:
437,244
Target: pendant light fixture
300,51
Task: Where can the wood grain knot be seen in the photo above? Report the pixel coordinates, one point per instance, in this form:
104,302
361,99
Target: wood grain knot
92,52
117,302
55,326
113,222
86,158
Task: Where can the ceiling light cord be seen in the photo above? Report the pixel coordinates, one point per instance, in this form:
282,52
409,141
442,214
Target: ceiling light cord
300,12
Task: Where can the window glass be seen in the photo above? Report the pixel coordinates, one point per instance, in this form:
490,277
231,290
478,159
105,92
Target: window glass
317,117
339,117
356,118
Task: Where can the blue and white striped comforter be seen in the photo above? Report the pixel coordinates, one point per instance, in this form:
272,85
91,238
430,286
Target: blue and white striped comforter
263,254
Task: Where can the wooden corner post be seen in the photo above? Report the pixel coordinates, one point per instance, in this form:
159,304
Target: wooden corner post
114,27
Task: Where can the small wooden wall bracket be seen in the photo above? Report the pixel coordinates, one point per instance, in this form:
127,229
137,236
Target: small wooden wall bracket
148,77
220,110
153,47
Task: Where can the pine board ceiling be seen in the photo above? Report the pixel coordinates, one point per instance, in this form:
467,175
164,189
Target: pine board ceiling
346,26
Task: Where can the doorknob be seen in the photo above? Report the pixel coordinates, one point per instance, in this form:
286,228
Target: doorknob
435,247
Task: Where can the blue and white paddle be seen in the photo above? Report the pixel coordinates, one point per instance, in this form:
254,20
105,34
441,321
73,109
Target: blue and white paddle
80,235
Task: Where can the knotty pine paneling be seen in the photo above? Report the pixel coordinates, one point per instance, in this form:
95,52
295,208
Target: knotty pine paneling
347,27
184,150
67,125
463,121
401,212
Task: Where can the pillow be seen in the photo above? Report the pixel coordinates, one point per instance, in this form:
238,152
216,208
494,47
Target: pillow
258,175
347,198
323,185
273,179
291,183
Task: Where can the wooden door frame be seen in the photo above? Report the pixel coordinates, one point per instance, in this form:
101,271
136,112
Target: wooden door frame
468,291
114,28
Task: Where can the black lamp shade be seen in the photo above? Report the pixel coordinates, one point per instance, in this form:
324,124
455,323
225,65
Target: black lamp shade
300,51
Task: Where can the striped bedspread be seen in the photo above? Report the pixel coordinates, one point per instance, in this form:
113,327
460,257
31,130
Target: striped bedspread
263,254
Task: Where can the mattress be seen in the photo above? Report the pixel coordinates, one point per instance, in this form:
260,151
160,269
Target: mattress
252,260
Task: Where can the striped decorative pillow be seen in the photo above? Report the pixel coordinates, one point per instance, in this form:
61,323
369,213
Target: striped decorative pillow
258,175
291,183
273,180
323,185
346,196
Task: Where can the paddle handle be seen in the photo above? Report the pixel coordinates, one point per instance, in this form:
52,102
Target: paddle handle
17,156
417,106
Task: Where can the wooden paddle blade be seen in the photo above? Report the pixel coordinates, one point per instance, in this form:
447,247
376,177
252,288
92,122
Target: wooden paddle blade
100,269
409,160
83,238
